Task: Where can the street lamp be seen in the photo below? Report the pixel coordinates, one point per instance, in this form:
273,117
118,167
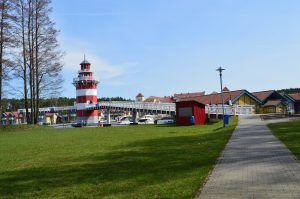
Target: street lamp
220,69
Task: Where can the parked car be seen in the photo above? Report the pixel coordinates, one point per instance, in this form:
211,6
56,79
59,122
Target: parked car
165,121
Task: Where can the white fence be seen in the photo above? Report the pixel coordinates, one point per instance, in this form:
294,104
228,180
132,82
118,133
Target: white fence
139,105
229,110
171,107
150,106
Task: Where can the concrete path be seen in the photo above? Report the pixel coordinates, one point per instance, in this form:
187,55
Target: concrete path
254,164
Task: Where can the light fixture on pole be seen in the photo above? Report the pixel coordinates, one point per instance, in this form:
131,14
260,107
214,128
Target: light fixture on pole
220,69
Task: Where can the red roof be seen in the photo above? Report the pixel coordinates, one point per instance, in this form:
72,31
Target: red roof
186,95
49,114
5,114
160,99
215,98
140,95
263,94
272,103
16,114
189,99
295,96
13,114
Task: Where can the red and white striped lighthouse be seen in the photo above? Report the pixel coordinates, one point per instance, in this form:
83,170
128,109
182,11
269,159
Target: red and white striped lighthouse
86,94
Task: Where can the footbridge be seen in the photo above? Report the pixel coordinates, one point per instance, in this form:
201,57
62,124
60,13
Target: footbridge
152,108
169,108
142,108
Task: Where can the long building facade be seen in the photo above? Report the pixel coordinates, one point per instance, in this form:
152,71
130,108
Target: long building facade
86,94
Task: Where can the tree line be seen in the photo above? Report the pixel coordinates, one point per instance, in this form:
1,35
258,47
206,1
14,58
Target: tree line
289,90
15,104
30,58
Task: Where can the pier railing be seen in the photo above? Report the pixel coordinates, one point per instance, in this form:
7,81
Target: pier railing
153,107
170,107
229,110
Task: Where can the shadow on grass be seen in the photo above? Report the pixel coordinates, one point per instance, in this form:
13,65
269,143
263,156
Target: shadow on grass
123,170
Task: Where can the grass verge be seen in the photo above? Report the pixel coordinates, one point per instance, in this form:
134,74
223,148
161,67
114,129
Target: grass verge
153,161
289,134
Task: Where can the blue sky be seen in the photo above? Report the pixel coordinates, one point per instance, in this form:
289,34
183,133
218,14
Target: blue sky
162,47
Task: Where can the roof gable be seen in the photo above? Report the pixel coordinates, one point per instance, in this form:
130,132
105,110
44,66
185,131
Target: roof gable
140,95
265,95
245,92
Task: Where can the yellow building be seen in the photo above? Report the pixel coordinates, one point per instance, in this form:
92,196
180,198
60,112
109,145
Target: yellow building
272,102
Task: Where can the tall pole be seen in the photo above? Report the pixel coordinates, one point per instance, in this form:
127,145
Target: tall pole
220,69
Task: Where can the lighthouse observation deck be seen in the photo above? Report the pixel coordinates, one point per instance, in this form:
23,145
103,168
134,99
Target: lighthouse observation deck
83,79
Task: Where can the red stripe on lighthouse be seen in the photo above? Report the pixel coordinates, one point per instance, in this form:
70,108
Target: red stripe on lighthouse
84,99
87,113
86,86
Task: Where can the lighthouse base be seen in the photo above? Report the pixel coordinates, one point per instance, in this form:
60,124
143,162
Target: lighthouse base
89,121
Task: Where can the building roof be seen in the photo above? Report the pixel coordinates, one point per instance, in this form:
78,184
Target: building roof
216,98
16,114
12,114
189,100
140,95
272,103
5,114
160,99
187,95
84,61
295,96
49,114
263,95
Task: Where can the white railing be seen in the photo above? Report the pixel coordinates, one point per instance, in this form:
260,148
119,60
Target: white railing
230,110
150,106
85,78
209,109
84,70
139,105
49,109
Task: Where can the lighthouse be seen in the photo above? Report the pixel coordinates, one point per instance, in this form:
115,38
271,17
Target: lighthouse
86,94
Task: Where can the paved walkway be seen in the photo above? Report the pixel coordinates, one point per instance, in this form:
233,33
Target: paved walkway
254,164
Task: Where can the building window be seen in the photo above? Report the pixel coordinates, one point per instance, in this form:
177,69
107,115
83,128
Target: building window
185,112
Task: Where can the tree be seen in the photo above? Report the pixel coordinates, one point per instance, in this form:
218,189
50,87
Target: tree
6,41
21,71
47,65
40,67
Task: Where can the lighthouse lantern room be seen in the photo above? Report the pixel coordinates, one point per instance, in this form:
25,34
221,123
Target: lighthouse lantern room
86,94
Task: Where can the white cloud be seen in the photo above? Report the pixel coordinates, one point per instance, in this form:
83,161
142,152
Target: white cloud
107,72
101,68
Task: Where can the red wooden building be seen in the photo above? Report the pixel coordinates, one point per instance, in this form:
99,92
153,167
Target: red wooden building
188,108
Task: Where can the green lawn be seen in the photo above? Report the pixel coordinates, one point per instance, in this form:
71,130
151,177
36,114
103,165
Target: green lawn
289,134
151,161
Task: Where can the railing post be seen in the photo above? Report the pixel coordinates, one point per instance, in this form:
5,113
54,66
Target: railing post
234,109
108,116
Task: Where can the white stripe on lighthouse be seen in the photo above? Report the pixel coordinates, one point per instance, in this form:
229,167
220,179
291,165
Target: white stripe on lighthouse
85,92
83,106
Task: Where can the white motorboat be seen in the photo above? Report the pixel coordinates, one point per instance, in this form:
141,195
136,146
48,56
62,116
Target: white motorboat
146,119
125,120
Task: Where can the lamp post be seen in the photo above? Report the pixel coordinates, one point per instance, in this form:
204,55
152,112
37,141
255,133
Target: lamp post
220,69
